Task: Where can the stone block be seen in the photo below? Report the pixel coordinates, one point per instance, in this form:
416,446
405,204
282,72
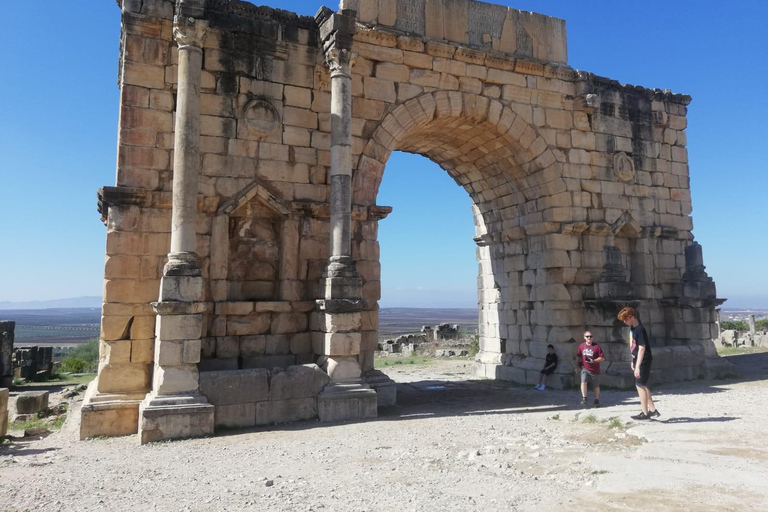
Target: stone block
170,380
337,343
120,378
117,415
116,352
217,364
162,418
297,382
4,394
235,415
285,411
191,351
31,402
346,402
335,322
3,423
269,362
181,288
179,327
169,352
248,325
251,346
277,344
227,347
235,387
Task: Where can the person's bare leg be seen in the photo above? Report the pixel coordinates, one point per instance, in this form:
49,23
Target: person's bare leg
584,390
597,392
649,401
641,392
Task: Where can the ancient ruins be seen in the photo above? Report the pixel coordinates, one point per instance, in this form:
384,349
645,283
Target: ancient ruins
242,264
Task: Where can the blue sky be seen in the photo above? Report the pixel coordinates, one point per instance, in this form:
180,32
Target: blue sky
58,126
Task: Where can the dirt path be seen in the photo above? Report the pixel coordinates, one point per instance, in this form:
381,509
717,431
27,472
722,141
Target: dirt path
450,444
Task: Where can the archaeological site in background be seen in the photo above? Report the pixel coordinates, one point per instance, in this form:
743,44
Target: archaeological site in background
242,272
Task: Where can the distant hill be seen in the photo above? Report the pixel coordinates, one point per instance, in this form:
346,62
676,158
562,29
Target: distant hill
76,302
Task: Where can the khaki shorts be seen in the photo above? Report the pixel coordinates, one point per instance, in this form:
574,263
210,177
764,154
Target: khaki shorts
592,378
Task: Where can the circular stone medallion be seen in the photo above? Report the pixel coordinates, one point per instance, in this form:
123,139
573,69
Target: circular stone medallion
623,167
261,118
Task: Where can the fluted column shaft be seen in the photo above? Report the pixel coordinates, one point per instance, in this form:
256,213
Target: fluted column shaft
182,259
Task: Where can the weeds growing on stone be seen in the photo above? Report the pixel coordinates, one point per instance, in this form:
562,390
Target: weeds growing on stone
589,419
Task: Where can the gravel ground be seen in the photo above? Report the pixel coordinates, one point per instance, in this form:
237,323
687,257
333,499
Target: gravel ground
452,443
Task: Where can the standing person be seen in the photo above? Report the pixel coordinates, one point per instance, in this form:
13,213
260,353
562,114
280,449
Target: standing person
549,367
642,357
588,358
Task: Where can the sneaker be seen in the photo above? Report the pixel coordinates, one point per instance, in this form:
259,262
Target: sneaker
641,416
584,402
537,386
654,414
542,387
597,403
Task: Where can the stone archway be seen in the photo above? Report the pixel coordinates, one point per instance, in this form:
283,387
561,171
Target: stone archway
280,127
497,158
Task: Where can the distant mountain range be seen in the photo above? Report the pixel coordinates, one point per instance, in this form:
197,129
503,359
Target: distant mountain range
76,302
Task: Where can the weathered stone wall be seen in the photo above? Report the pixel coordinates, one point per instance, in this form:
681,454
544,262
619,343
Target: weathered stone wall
580,185
7,330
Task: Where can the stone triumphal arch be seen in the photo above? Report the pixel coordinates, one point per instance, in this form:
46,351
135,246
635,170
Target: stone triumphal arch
242,264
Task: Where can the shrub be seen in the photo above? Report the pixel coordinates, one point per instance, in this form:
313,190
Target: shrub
74,365
84,358
474,345
762,324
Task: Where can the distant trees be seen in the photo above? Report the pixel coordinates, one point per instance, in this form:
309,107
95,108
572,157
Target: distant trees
743,325
735,325
83,358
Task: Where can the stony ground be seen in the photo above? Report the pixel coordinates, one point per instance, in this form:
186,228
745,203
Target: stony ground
451,444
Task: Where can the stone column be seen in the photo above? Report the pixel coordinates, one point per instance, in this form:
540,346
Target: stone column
175,408
342,304
337,338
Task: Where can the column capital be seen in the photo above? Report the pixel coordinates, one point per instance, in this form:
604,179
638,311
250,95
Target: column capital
189,32
340,61
336,28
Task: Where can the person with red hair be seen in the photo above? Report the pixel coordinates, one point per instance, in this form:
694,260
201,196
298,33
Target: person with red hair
642,357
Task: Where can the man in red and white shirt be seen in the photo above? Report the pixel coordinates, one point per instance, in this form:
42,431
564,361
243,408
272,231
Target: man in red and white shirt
588,358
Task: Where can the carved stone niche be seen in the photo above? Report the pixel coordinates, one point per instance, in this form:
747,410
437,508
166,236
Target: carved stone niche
254,252
261,117
623,167
612,284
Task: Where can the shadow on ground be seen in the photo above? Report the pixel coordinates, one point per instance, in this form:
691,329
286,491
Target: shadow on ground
450,398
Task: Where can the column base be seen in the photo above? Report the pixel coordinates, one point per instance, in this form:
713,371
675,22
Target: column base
347,401
385,388
109,414
164,417
341,369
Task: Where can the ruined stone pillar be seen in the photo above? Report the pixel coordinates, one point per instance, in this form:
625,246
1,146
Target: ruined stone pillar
338,337
340,310
7,329
175,408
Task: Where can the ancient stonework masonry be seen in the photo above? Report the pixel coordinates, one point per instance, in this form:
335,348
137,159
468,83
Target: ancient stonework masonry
242,230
